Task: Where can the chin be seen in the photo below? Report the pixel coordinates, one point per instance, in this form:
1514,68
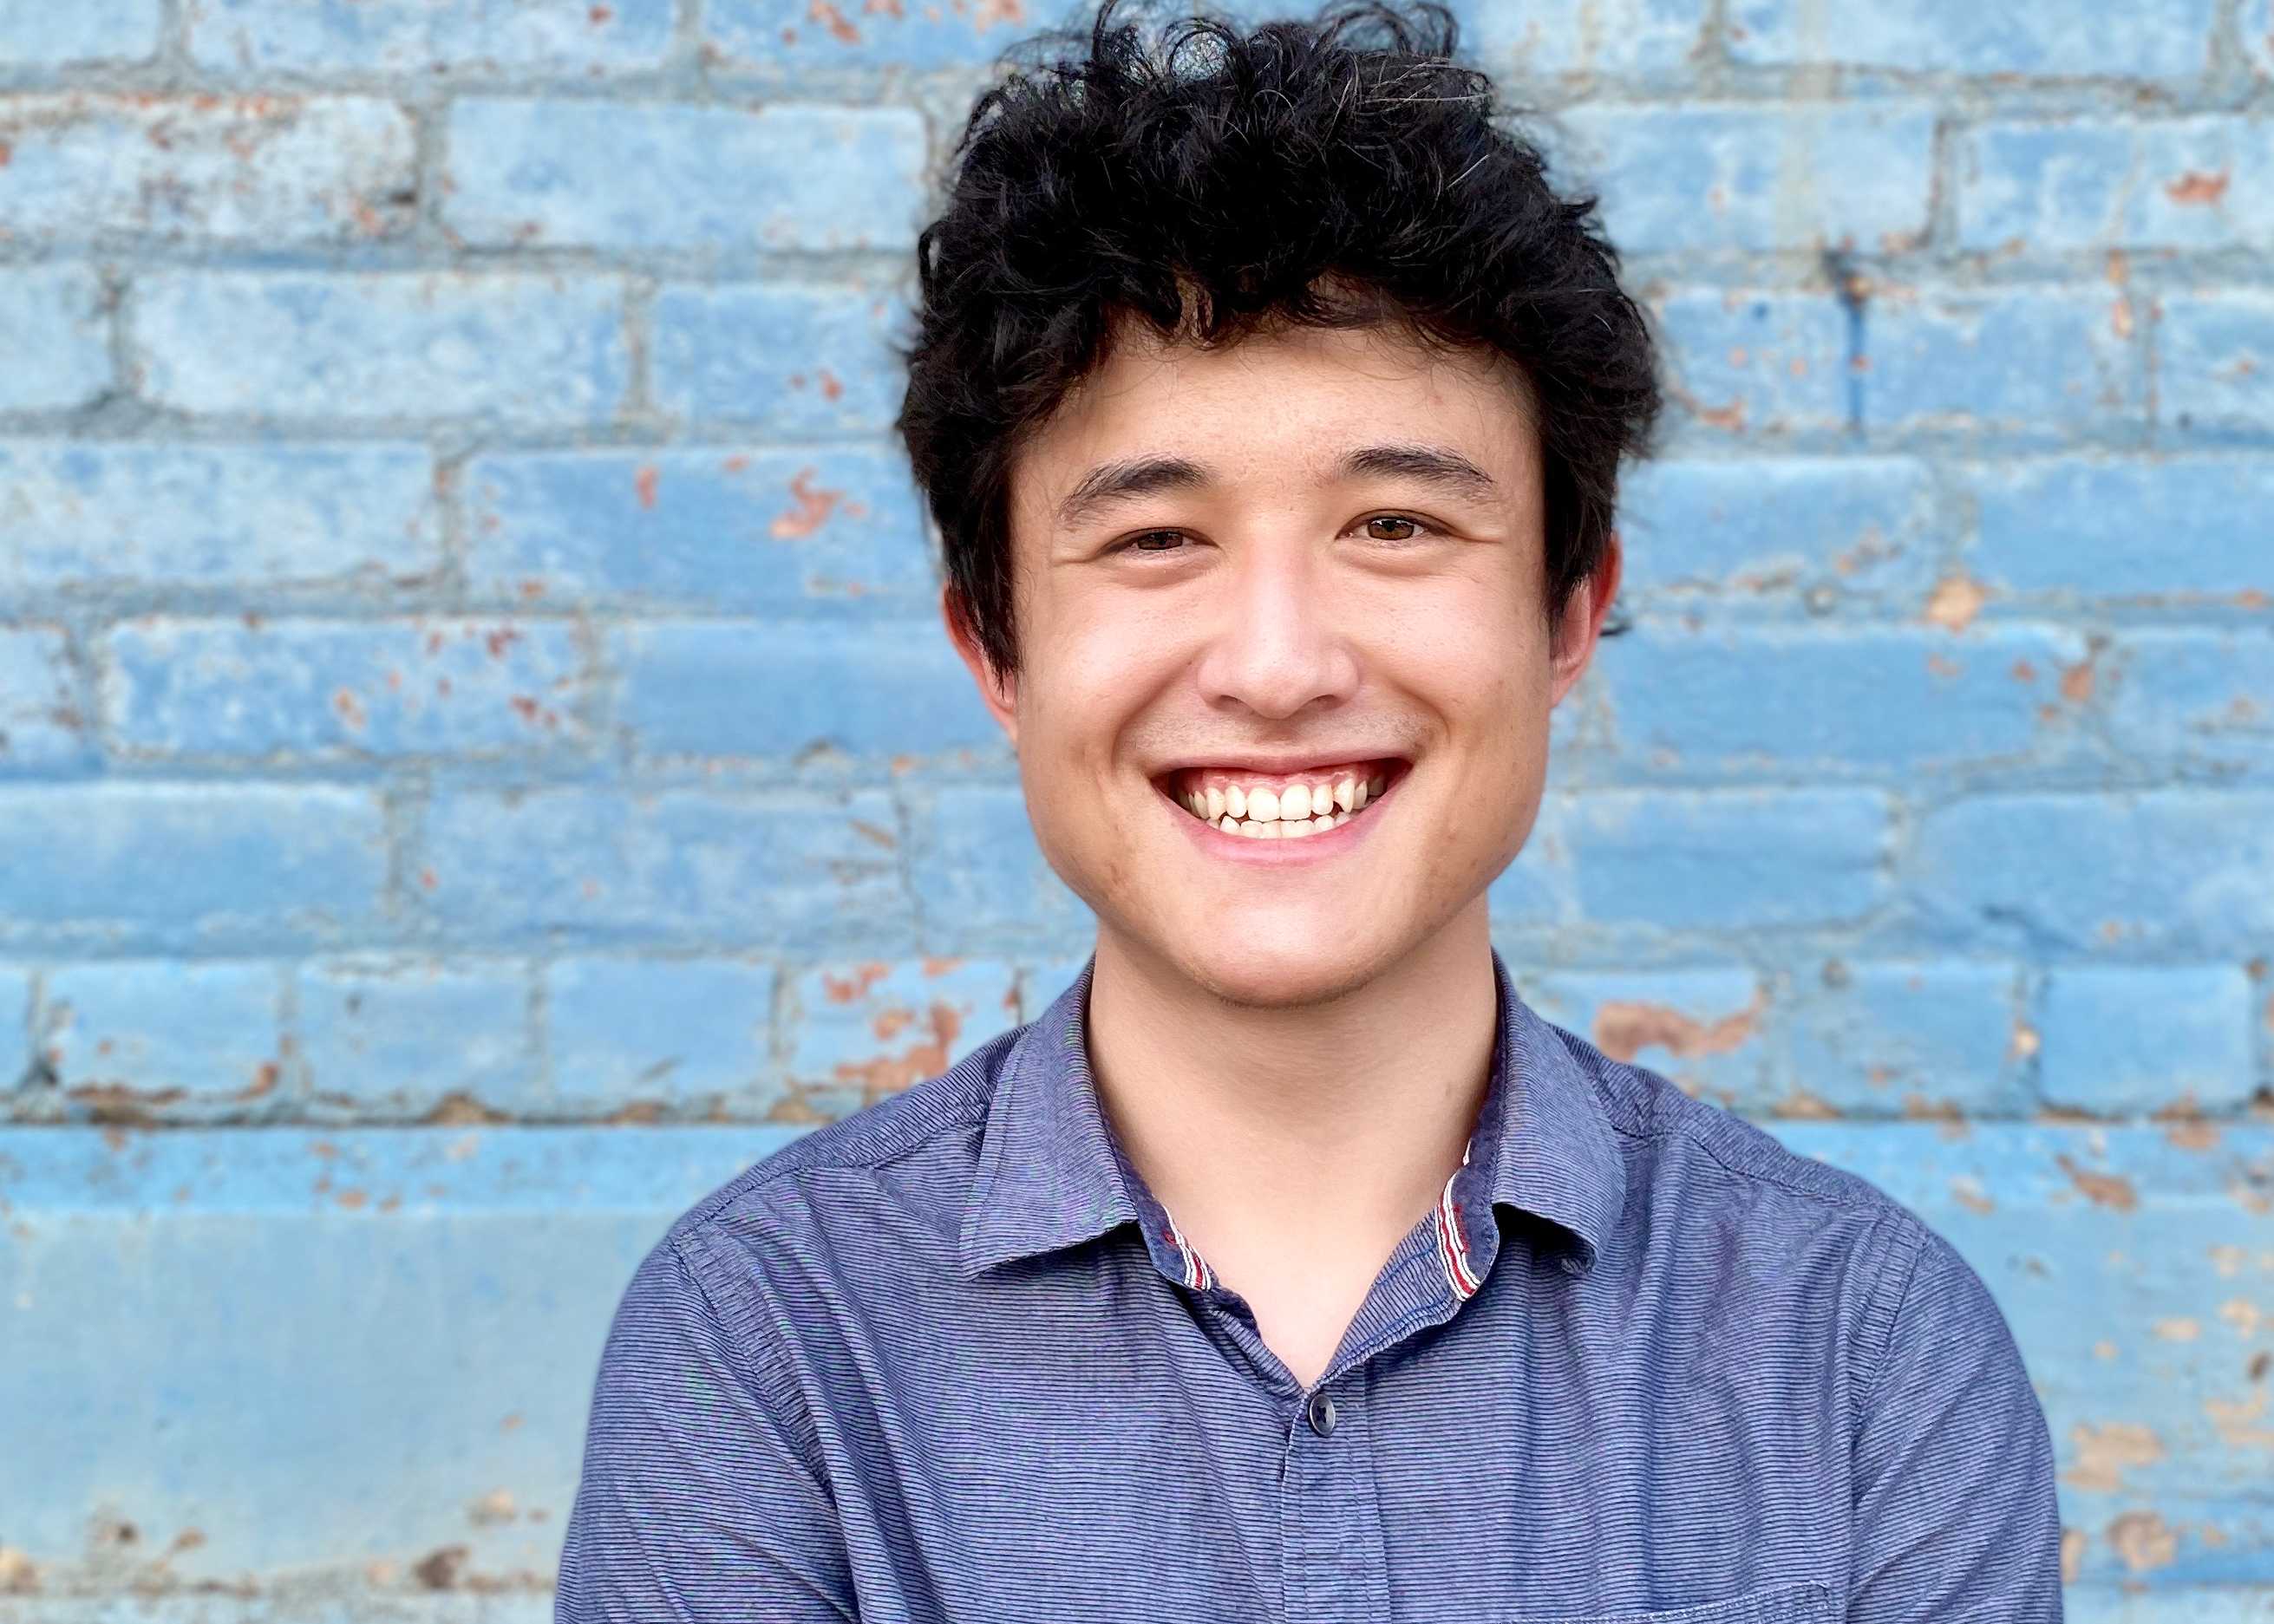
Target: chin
1300,975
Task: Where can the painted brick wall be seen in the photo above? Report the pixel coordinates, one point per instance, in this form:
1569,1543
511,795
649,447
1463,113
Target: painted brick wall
478,766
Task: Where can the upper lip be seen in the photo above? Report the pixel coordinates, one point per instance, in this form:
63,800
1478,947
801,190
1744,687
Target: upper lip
1259,762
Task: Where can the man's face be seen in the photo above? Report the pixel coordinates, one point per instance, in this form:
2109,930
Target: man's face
1368,647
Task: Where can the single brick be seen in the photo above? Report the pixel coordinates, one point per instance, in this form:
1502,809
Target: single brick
333,690
392,1037
41,33
58,338
15,1027
1702,1028
1758,178
1621,39
155,864
607,865
2028,363
2126,1040
660,1035
43,726
78,515
860,1033
167,1038
801,530
429,37
1731,859
2049,186
1932,1038
2175,869
601,175
1755,363
2196,700
980,878
742,688
765,36
2214,365
795,359
1763,526
264,168
531,349
2144,39
2069,529
1846,699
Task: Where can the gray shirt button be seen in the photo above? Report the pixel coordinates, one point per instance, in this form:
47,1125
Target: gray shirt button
1322,1414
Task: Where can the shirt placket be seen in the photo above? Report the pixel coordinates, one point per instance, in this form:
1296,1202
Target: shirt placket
1337,1568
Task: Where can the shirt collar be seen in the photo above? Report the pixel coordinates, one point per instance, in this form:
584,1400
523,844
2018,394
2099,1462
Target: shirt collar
1052,1173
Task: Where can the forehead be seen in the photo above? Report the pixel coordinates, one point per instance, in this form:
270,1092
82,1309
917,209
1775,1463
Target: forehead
1291,403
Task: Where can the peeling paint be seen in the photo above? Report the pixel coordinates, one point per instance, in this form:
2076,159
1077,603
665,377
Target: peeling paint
2101,1189
2143,1540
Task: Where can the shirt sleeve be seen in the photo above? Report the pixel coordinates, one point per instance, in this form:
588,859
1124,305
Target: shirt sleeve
695,1503
1955,1516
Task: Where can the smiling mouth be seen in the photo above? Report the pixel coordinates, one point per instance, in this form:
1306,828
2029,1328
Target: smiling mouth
1282,806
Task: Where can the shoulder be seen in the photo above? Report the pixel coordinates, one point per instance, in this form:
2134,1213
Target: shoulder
913,1154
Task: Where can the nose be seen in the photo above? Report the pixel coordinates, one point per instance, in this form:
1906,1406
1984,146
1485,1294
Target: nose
1278,647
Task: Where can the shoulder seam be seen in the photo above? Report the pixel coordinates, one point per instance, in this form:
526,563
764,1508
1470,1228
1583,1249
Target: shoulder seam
1887,1343
1853,1203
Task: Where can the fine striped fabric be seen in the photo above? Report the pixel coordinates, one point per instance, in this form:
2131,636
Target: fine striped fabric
948,1359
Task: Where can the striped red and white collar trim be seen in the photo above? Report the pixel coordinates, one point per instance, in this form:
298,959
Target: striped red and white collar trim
1452,1243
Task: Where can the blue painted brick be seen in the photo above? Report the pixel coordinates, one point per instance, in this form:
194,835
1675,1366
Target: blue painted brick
429,36
861,1032
15,1026
765,35
1775,526
2126,1040
2175,869
2193,699
1649,39
2035,364
1703,1028
2145,39
1042,980
1927,1038
777,688
2048,185
183,865
798,359
590,174
162,1038
396,1037
805,531
660,1035
2069,529
42,723
1730,859
1838,700
41,33
2257,28
341,689
1760,178
1758,363
676,865
58,338
980,878
302,516
526,349
269,169
2214,365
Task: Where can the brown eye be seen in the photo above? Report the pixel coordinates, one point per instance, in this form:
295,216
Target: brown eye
1392,518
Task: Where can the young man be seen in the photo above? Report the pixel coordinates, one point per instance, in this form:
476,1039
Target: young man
1289,1267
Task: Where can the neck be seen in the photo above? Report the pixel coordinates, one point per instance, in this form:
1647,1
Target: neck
1336,1123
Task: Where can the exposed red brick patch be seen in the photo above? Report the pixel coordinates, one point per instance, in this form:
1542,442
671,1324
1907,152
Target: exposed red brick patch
889,1074
2101,1189
811,512
2195,187
1954,602
644,482
840,989
1624,1029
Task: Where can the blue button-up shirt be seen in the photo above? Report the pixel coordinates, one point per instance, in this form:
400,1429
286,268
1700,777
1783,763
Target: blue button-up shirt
949,1359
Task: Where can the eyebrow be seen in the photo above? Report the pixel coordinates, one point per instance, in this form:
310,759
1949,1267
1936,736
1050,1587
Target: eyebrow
1111,483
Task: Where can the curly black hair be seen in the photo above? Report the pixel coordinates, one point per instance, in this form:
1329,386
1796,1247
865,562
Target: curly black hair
1295,178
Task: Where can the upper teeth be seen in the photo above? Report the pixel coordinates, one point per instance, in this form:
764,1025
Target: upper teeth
1283,810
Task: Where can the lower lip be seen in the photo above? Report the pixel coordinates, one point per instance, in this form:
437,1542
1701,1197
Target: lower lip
1281,853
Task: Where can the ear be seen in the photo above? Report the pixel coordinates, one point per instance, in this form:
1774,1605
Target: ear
1580,626
999,692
